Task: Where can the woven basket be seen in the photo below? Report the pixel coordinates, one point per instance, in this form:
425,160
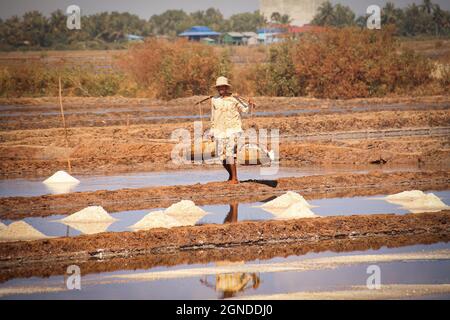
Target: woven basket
208,151
253,155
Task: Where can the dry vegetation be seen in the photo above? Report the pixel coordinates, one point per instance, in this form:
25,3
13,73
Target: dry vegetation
340,63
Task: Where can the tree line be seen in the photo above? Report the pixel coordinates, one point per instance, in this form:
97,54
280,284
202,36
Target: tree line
426,18
106,29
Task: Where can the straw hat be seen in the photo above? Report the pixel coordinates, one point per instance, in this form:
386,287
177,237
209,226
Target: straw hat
222,81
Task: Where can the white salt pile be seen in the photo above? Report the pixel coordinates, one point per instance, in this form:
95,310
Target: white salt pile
93,214
185,212
406,195
60,188
61,182
61,177
183,207
428,203
290,205
286,200
90,227
20,231
417,201
156,219
295,211
2,226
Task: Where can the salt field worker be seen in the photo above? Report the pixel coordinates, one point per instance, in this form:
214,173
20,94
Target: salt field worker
226,125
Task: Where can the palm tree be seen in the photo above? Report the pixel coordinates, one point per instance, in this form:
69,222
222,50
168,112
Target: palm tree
275,17
438,19
389,14
285,19
427,6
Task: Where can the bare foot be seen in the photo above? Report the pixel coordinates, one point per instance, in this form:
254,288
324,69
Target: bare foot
233,181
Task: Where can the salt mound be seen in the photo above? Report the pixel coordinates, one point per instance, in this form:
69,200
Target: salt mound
61,177
156,219
183,207
185,212
286,200
2,226
295,211
89,227
60,188
90,214
406,195
417,201
427,203
20,231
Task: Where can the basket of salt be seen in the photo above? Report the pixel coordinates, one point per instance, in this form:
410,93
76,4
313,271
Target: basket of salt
252,154
202,150
248,155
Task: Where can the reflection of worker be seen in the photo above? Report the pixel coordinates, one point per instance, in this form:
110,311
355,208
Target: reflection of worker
232,215
229,284
226,125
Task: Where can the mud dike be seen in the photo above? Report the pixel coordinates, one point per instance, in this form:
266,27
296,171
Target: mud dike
371,134
207,237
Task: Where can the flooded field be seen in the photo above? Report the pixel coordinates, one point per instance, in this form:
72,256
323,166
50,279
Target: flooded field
140,227
406,273
223,213
35,187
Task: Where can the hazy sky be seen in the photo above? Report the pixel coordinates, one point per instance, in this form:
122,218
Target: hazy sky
146,8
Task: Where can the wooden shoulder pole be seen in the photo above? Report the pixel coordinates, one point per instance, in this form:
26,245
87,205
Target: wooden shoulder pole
64,124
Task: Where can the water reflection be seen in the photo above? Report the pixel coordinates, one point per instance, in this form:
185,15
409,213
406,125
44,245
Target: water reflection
227,213
232,215
228,285
61,188
35,187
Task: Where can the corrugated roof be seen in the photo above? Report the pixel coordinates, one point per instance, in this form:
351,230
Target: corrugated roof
249,34
270,30
235,34
199,31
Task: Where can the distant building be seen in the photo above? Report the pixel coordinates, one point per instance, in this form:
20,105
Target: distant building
250,38
198,33
278,32
235,38
293,31
240,38
301,11
133,37
208,41
270,35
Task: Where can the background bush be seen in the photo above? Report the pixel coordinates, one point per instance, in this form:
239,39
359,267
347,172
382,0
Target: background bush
336,63
173,69
342,63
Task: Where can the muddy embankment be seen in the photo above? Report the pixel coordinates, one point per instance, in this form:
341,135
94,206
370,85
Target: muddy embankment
206,237
336,185
41,113
99,150
89,264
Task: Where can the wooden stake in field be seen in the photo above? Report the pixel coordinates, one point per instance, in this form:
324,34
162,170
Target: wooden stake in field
64,124
128,123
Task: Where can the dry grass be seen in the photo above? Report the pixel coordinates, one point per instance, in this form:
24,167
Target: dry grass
254,70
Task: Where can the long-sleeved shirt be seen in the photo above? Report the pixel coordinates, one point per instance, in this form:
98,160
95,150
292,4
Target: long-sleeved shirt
226,116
